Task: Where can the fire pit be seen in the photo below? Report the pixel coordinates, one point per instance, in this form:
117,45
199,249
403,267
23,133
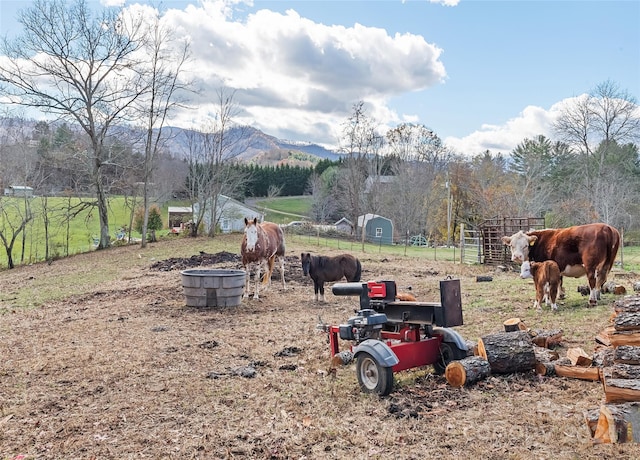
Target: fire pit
213,288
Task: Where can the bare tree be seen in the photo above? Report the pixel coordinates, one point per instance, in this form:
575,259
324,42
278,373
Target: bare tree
420,160
81,67
360,143
212,153
163,72
594,126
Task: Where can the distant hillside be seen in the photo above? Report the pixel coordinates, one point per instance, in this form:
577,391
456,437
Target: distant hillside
254,146
250,144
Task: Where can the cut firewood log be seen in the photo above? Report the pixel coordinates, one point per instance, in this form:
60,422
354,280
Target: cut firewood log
467,371
577,372
621,390
620,338
472,348
604,337
625,371
514,324
625,321
544,355
508,352
546,339
579,357
591,417
548,369
626,354
617,423
630,304
603,357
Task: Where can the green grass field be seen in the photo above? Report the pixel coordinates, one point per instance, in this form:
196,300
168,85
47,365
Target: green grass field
79,235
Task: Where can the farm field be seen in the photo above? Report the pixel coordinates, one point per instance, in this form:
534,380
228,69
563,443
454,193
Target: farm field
102,359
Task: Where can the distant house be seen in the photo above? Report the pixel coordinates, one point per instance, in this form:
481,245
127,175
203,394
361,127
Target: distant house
178,217
19,190
377,229
344,225
230,215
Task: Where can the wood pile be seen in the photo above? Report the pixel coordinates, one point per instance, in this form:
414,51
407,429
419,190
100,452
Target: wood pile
618,420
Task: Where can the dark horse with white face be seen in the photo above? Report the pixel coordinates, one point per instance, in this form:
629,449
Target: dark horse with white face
325,268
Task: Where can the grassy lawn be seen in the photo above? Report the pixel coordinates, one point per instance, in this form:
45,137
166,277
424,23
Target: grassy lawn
282,210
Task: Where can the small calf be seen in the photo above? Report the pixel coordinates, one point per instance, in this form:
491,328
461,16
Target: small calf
546,277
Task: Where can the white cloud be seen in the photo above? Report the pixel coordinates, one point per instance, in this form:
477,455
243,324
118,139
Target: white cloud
294,75
531,122
112,2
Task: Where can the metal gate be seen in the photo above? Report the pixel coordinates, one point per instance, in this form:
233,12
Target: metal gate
485,246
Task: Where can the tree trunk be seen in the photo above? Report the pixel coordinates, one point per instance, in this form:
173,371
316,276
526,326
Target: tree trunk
617,423
508,352
466,371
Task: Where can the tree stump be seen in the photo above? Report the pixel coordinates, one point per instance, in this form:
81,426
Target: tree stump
618,423
508,352
466,371
514,324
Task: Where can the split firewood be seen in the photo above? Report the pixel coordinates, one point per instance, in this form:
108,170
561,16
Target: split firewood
629,304
546,339
467,371
508,352
625,371
591,417
604,337
579,357
577,372
621,390
626,354
544,355
514,324
613,288
626,321
617,423
603,357
620,338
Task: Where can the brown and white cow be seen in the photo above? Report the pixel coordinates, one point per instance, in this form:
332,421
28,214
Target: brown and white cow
580,250
546,277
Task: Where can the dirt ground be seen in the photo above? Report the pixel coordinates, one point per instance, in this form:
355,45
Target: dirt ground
127,371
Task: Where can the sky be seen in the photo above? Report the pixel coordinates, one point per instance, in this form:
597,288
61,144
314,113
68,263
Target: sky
483,75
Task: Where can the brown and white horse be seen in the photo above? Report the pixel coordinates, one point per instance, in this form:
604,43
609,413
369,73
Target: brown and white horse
262,243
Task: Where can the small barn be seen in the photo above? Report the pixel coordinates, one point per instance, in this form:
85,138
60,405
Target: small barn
230,215
19,190
344,225
377,229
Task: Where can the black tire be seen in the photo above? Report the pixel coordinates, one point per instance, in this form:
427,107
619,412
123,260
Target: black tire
449,351
372,376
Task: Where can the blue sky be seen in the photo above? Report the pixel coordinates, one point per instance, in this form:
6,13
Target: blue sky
481,74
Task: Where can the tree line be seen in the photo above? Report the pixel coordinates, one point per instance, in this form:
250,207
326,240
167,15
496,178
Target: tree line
112,83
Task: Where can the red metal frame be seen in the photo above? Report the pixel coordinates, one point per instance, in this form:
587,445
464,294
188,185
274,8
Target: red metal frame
405,343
